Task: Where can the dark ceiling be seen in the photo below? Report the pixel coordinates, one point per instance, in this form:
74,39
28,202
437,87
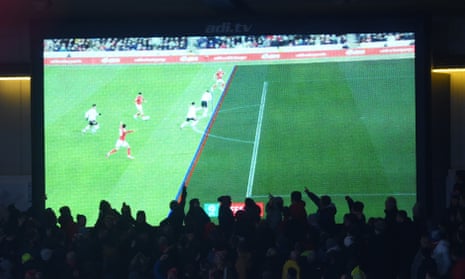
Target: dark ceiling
16,17
24,10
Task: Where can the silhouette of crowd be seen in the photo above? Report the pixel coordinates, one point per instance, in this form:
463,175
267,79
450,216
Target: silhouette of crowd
212,42
284,242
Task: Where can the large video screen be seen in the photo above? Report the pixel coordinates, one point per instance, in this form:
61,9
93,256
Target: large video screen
133,119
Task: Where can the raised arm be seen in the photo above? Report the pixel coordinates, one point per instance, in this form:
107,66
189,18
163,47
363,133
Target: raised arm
350,203
315,199
182,200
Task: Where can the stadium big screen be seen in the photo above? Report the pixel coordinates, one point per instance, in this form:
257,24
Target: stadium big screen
235,108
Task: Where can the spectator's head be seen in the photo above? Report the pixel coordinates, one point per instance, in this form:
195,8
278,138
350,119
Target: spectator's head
249,202
296,196
65,211
325,200
225,201
173,204
358,207
140,216
81,220
390,204
278,202
125,209
50,216
104,206
435,235
194,202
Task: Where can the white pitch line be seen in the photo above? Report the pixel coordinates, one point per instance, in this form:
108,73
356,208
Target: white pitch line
351,195
253,161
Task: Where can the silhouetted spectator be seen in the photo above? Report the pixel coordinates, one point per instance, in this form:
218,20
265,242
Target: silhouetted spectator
375,254
406,242
326,211
295,218
274,212
177,214
252,211
423,263
390,211
196,219
440,252
356,208
225,216
67,224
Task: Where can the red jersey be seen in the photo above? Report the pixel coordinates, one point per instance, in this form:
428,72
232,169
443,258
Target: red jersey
139,99
123,132
219,75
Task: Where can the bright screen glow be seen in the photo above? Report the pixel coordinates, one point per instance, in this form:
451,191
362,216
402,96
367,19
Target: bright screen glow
334,113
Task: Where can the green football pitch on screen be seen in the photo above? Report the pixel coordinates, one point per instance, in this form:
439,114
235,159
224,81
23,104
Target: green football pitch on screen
338,128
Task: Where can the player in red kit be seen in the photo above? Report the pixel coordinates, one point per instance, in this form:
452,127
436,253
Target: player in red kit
140,110
121,142
219,79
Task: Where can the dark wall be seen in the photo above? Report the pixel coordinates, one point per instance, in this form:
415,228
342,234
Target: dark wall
440,143
15,138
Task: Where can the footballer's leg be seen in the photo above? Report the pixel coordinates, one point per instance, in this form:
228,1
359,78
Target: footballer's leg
114,150
95,127
129,151
86,128
185,123
194,122
129,154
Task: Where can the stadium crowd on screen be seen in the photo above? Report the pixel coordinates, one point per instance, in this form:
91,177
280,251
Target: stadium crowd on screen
203,42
